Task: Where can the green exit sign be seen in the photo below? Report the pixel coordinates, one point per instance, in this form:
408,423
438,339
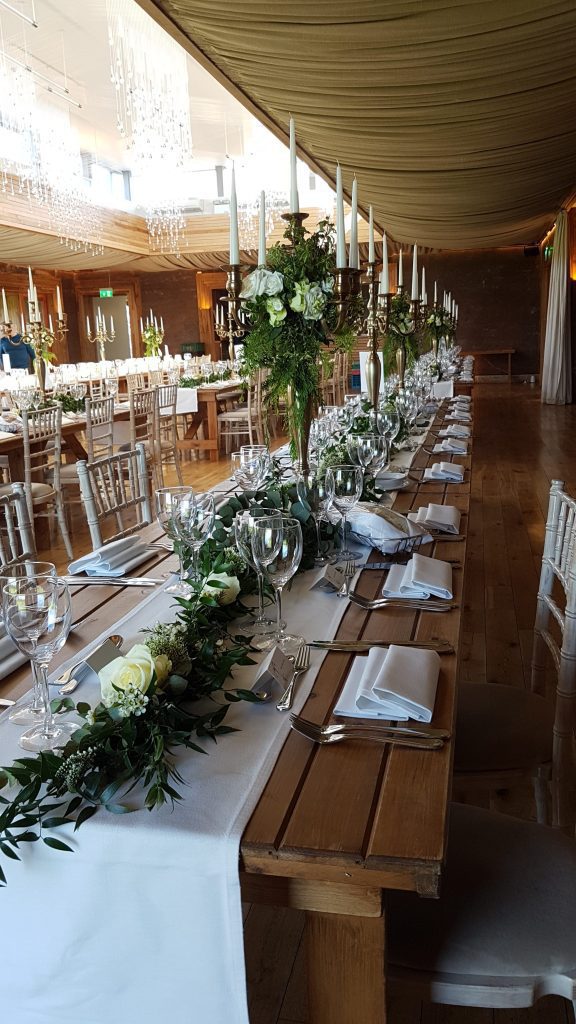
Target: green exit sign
106,293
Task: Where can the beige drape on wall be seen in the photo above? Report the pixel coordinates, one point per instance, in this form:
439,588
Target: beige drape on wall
557,364
458,117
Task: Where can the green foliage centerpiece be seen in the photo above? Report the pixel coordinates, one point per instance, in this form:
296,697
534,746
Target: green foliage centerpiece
400,340
152,338
294,317
439,325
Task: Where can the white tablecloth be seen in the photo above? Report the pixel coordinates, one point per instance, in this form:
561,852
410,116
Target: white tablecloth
143,922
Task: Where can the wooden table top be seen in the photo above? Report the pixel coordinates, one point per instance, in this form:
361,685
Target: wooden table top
360,814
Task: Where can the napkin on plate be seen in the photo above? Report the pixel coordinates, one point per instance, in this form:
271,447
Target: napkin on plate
437,517
451,444
445,471
114,559
421,577
455,430
382,528
396,684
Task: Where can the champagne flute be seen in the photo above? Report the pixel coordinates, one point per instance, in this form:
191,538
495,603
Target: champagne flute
311,488
193,519
260,628
166,499
38,613
277,550
344,488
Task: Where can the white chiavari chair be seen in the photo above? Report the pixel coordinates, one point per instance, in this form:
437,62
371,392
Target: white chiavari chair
246,420
135,382
115,490
167,452
16,535
504,734
502,932
42,442
143,416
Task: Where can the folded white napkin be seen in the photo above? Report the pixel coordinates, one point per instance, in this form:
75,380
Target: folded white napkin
445,471
421,577
451,444
437,517
382,528
460,400
443,389
455,430
396,684
114,559
464,417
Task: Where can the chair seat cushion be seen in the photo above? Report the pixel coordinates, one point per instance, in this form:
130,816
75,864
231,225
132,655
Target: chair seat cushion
41,491
507,905
501,727
69,473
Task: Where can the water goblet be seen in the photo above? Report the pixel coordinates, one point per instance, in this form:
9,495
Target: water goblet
166,499
260,628
362,447
33,710
344,488
193,519
390,422
38,613
249,469
277,550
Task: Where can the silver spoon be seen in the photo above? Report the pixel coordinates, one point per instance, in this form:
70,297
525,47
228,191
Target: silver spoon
66,681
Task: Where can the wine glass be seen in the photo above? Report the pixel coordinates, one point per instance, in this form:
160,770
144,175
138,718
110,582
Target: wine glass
390,422
259,628
311,488
344,488
166,499
38,613
362,448
277,550
193,518
33,710
249,469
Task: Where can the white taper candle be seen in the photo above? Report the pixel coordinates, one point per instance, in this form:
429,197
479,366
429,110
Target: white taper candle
371,256
294,206
234,244
353,254
423,295
414,292
58,302
5,307
384,279
262,231
340,229
400,271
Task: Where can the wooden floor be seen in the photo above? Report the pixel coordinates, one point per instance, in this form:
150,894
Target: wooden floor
520,446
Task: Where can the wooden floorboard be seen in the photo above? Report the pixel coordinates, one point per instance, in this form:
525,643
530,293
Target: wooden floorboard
520,446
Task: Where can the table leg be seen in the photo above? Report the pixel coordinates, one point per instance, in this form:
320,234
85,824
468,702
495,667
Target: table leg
345,969
212,410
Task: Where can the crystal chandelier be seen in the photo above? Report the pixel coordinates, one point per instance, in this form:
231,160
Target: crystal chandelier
150,78
248,212
40,156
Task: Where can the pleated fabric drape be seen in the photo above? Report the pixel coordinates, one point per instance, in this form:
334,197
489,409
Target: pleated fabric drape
456,116
557,364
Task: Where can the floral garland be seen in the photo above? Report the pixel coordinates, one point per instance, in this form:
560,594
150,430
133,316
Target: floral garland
292,320
197,382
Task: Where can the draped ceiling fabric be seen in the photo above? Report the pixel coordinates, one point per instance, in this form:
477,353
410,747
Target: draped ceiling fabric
458,116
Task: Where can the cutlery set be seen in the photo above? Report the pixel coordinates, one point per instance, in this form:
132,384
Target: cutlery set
111,581
419,737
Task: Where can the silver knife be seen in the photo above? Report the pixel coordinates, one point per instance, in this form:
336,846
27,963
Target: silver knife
361,646
111,581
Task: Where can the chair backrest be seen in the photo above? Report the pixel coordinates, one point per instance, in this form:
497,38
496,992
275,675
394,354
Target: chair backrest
99,427
135,382
115,489
16,536
42,435
155,378
143,405
558,579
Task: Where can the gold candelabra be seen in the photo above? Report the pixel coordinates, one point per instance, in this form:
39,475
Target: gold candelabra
100,336
374,325
231,328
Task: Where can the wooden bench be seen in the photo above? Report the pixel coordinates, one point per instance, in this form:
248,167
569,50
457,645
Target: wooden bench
487,352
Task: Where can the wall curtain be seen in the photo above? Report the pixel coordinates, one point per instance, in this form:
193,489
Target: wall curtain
557,366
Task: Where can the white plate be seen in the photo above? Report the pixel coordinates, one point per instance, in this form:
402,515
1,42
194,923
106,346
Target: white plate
391,481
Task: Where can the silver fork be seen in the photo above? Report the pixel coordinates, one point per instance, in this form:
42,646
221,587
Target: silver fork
301,664
349,574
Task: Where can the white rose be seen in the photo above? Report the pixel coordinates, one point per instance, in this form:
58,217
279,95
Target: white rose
225,595
262,282
276,311
134,671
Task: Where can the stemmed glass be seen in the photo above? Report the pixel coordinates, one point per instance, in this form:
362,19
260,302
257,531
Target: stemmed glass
277,550
311,488
38,613
365,448
344,488
389,422
166,499
245,522
249,469
32,710
193,518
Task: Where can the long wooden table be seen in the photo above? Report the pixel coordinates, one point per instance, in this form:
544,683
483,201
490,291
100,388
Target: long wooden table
337,826
209,400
